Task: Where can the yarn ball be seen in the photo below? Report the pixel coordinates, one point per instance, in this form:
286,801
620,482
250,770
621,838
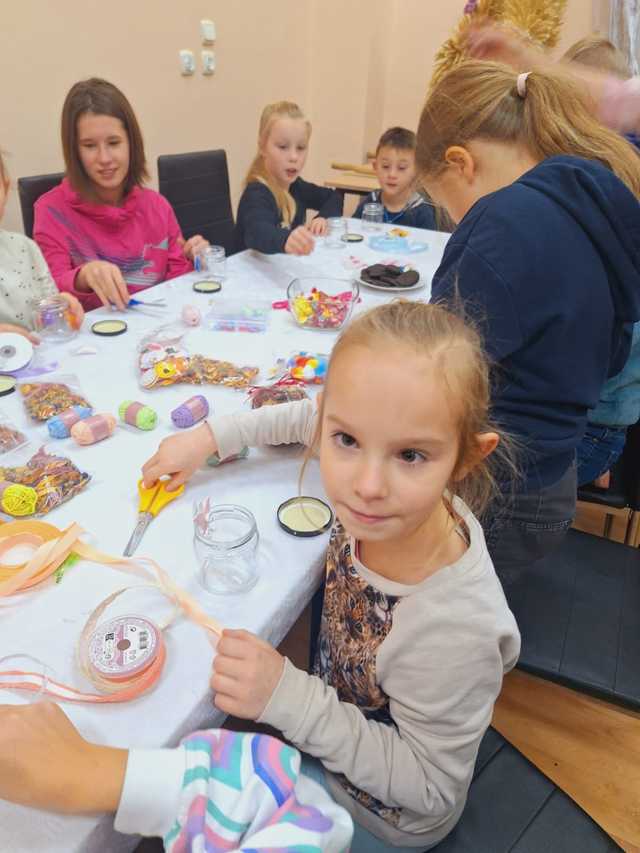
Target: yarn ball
190,412
59,426
135,414
18,500
93,429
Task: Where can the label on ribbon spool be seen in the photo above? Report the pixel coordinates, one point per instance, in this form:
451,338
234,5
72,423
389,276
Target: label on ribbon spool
123,646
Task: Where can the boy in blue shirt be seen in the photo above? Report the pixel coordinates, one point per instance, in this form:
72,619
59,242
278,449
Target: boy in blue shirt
395,168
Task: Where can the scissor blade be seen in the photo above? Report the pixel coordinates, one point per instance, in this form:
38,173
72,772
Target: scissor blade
138,532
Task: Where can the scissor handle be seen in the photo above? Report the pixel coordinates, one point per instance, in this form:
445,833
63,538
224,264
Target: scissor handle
152,500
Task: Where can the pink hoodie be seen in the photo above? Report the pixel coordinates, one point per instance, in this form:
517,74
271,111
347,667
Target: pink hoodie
140,237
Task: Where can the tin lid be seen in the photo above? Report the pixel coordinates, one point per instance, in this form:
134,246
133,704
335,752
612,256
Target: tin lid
305,516
7,385
109,328
211,286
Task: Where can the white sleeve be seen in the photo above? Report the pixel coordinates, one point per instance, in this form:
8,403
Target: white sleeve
151,792
288,423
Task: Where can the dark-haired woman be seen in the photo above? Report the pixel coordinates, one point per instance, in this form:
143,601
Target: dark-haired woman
102,234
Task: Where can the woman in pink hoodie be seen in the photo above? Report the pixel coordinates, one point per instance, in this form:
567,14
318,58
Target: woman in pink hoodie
102,234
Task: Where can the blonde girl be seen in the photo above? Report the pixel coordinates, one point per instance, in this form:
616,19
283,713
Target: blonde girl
546,253
416,633
24,277
273,208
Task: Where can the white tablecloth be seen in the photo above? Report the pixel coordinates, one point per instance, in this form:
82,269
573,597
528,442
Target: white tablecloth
47,623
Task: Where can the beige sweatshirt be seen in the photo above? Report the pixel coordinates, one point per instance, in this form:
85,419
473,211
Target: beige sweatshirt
406,675
24,279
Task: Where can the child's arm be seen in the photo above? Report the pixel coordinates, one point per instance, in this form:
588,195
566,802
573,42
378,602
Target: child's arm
326,201
259,218
45,763
181,455
45,286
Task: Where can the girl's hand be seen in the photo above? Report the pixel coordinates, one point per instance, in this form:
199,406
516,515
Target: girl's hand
299,242
318,226
106,281
45,763
246,671
192,246
18,330
180,456
76,309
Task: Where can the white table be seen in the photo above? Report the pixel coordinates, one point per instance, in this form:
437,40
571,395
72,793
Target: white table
47,623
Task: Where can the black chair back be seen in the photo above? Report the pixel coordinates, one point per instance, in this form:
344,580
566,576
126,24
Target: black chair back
197,186
624,490
29,190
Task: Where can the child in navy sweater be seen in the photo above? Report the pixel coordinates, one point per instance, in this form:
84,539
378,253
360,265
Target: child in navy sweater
395,168
546,255
273,208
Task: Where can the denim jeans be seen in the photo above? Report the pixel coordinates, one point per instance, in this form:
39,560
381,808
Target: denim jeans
599,449
532,525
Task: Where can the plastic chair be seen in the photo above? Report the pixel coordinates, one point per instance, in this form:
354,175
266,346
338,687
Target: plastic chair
624,491
197,186
29,191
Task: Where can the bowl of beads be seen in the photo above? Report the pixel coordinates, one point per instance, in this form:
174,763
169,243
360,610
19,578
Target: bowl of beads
322,303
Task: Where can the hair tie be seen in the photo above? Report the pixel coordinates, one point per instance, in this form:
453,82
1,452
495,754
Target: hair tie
521,84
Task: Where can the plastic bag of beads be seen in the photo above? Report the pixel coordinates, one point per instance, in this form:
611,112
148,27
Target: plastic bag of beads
44,482
163,359
239,316
285,390
43,400
11,438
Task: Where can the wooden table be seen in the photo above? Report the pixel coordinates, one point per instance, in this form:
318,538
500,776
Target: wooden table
353,183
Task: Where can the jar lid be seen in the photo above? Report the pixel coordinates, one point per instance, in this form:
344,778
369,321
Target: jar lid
109,328
207,286
7,385
352,238
305,516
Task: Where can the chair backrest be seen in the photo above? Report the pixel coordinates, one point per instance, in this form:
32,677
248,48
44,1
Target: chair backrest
197,186
29,190
630,463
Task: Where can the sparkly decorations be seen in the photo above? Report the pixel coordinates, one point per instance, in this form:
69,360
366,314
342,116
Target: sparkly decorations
54,479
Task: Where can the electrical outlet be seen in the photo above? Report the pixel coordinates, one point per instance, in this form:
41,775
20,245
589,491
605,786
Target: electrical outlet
187,63
208,61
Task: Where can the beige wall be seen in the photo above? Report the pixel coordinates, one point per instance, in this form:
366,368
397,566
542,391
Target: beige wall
356,66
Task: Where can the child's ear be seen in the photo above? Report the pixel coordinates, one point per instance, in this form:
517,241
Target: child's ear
485,444
460,160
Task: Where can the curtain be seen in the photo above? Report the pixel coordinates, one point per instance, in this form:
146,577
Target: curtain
624,29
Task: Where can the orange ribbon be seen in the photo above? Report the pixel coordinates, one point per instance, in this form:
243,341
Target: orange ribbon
50,548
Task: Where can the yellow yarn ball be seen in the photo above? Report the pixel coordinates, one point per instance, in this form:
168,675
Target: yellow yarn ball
19,500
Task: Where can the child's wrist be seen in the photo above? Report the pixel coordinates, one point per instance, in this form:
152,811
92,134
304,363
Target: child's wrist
98,780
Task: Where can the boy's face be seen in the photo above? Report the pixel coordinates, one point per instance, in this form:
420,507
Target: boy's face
396,171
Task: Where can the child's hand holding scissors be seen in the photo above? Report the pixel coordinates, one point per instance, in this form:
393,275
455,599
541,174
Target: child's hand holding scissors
180,456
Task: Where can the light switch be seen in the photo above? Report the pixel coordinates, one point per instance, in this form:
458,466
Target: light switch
208,61
208,32
187,62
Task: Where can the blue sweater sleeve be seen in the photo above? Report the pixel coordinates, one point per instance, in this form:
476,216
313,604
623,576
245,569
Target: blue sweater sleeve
258,221
468,284
327,202
424,216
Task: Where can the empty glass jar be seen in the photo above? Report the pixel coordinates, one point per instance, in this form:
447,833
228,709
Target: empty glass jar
53,319
336,232
211,264
226,545
372,216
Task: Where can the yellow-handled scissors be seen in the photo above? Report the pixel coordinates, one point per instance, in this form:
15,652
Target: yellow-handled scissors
151,502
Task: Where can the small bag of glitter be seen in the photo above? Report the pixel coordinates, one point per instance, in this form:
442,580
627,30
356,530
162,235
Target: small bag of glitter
43,400
11,438
46,481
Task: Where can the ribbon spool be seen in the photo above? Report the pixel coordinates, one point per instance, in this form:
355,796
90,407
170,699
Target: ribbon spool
50,548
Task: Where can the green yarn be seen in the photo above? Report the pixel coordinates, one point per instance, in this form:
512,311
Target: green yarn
146,417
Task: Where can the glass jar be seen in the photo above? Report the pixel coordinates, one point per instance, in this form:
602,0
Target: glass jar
53,319
210,264
226,545
372,216
336,233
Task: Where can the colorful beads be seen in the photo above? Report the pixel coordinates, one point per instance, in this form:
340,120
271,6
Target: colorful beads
319,310
93,429
59,426
190,412
308,367
137,415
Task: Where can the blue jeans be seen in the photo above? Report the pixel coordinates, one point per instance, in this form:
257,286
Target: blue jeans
363,841
600,447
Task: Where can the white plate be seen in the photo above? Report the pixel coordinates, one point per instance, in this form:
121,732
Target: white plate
388,289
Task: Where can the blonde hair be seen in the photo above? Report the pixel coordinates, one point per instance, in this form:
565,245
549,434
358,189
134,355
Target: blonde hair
599,53
480,100
257,170
455,348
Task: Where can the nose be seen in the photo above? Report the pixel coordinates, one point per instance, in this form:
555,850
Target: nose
104,154
370,482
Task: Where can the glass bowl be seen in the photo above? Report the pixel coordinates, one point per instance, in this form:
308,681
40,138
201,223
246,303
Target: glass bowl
322,303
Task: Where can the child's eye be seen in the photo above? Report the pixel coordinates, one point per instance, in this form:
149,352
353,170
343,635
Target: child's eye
343,439
412,456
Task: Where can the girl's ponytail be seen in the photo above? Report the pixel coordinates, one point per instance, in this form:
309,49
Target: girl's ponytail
551,116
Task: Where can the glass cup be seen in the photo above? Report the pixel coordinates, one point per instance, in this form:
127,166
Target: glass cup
54,321
336,231
372,216
211,264
226,544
